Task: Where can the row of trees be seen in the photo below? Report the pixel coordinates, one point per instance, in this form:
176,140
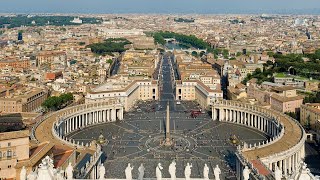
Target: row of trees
109,46
261,76
57,102
312,98
184,20
23,20
188,41
283,63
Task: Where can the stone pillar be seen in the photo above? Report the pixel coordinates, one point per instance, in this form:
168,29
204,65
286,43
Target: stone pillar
113,114
108,114
213,113
66,127
289,164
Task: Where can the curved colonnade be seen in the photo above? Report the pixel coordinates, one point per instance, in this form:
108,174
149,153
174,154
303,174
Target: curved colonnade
71,119
83,116
285,148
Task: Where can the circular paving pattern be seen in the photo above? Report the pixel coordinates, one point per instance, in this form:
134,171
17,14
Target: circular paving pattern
156,143
138,139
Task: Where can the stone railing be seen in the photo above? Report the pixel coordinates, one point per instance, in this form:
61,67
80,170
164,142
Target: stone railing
78,110
268,114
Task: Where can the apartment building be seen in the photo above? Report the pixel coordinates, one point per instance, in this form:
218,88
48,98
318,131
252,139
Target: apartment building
14,147
22,99
126,91
196,90
51,57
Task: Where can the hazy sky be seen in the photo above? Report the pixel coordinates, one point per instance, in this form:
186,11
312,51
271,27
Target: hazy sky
161,6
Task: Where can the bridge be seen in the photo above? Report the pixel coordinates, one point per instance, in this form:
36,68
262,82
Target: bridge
170,39
188,50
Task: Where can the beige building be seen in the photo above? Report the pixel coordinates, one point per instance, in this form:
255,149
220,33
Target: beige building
51,57
310,114
14,147
196,90
310,117
285,99
23,99
138,63
128,92
236,92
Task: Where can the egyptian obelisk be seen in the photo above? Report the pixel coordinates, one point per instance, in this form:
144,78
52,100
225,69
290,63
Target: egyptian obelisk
168,139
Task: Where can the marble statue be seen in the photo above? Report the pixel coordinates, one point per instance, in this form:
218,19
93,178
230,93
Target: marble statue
206,172
246,173
98,148
172,170
69,171
59,175
187,171
217,172
128,172
23,173
158,172
277,173
102,171
32,176
141,172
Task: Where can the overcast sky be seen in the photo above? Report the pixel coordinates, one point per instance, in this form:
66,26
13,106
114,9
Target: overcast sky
161,6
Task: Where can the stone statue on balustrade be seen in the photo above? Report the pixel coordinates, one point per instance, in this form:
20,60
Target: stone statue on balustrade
23,173
217,172
246,173
206,172
172,170
102,171
69,171
277,173
158,172
187,171
32,176
141,172
128,172
59,175
98,148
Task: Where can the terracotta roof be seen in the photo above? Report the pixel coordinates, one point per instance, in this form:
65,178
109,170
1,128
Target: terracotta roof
14,135
286,99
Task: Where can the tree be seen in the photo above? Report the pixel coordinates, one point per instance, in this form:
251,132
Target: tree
109,61
56,102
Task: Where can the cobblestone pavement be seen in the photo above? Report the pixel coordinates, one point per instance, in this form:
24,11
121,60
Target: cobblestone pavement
198,140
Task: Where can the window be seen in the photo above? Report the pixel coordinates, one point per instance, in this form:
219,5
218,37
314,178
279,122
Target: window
9,144
9,153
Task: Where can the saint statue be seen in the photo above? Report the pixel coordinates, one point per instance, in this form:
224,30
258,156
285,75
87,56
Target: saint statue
69,171
246,173
187,171
158,172
206,172
102,171
277,173
59,175
217,172
172,170
32,176
23,173
128,172
141,172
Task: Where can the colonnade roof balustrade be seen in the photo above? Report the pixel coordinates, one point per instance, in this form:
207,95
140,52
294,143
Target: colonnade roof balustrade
293,133
43,130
